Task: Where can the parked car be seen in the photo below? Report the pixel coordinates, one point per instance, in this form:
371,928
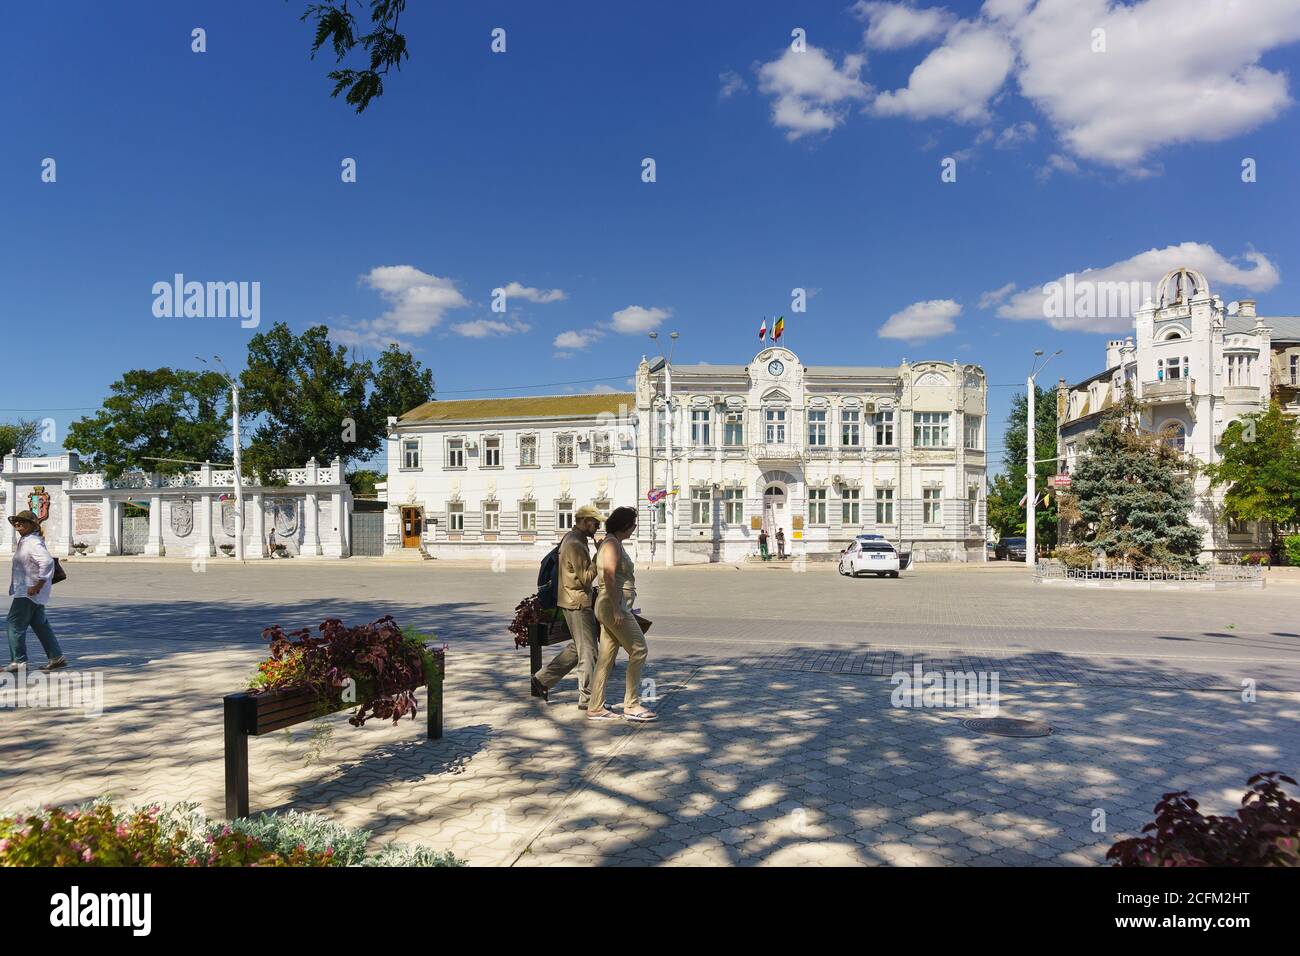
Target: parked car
877,557
1011,549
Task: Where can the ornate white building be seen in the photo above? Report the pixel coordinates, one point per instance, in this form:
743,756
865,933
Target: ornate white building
822,453
1194,367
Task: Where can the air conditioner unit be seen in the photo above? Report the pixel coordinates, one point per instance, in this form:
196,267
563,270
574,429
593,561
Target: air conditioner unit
471,446
837,480
717,399
869,407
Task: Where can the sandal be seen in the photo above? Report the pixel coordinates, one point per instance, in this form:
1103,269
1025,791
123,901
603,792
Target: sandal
641,716
601,715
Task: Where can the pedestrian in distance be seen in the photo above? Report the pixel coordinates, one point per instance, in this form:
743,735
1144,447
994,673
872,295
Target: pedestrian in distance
577,573
762,545
31,575
780,544
619,626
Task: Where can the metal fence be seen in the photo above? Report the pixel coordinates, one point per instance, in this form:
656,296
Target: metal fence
135,532
1206,574
367,533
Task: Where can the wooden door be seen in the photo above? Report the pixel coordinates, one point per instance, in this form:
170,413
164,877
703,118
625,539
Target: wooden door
412,527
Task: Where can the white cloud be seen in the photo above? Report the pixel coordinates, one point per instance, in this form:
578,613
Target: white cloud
1147,268
956,80
732,83
1173,71
997,295
418,302
635,319
575,340
1057,163
517,290
483,328
1016,134
809,92
603,389
922,320
894,25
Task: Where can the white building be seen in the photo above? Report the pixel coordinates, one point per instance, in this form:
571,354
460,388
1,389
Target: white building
190,514
822,453
1194,367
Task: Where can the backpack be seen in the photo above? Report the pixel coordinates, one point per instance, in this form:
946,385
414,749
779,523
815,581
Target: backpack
548,579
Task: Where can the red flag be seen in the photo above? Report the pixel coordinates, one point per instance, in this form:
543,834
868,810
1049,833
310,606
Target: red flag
762,331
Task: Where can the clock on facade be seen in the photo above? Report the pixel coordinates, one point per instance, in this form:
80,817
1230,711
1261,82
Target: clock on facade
775,367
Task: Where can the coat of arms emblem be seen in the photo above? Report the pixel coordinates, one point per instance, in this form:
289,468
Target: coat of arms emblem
39,502
284,514
182,518
228,515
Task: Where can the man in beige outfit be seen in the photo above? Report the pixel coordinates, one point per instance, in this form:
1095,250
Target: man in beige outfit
574,599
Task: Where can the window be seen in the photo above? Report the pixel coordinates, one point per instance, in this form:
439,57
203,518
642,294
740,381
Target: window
601,505
816,505
973,424
491,517
775,426
700,426
564,449
734,430
492,453
564,515
1173,369
884,428
930,429
733,505
455,453
1295,370
1174,435
455,516
850,505
817,428
850,427
884,506
661,426
701,505
932,505
1240,368
411,453
528,517
601,452
528,451
973,503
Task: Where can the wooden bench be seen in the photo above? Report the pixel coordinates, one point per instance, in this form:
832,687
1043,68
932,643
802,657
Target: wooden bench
252,715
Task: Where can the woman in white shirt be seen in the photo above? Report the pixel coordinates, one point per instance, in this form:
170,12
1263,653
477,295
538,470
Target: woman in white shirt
29,585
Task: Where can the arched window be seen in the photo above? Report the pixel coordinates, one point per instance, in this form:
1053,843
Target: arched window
1174,435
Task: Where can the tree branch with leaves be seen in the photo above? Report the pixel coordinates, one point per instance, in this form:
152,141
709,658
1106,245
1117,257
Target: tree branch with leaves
336,25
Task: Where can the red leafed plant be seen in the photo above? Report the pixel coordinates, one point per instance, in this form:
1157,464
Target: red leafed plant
528,612
377,666
1265,831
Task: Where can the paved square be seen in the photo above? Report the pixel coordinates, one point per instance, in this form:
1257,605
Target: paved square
777,742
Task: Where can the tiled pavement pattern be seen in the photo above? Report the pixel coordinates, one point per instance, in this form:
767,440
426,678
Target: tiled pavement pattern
748,765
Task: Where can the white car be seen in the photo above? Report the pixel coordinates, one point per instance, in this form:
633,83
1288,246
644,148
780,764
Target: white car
877,557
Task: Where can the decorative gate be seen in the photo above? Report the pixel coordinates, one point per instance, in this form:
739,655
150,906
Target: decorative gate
135,532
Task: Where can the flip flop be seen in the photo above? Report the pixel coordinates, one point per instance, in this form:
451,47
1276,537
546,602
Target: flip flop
603,715
643,717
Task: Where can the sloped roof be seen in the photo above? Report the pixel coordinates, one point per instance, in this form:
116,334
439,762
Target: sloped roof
529,406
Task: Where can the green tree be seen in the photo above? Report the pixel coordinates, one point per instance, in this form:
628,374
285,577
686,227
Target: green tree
362,481
337,25
1006,513
310,399
163,413
21,437
1132,496
1259,462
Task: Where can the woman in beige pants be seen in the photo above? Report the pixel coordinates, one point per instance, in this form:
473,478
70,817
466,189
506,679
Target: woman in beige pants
618,625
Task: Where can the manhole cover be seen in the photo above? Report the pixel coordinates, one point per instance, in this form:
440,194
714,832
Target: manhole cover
1007,727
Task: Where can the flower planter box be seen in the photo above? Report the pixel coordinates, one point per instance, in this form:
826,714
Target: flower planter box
249,714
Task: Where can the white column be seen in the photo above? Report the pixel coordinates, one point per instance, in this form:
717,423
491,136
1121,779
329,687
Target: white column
107,526
67,510
259,528
333,547
311,517
153,547
203,546
11,508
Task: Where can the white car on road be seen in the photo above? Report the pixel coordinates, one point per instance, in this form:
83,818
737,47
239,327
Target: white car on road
870,556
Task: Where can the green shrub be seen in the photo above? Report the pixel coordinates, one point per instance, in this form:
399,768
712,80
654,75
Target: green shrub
1291,548
1075,557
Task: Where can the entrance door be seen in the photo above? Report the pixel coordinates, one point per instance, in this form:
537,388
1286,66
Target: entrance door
775,513
412,527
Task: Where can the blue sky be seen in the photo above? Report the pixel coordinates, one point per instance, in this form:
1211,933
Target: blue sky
776,168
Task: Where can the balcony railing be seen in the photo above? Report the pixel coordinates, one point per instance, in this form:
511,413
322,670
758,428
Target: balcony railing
1168,390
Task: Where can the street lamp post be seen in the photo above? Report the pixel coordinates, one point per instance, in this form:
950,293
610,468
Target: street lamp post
1031,476
235,449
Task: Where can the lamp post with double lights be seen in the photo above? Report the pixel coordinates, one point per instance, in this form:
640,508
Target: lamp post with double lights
235,449
666,364
1031,476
